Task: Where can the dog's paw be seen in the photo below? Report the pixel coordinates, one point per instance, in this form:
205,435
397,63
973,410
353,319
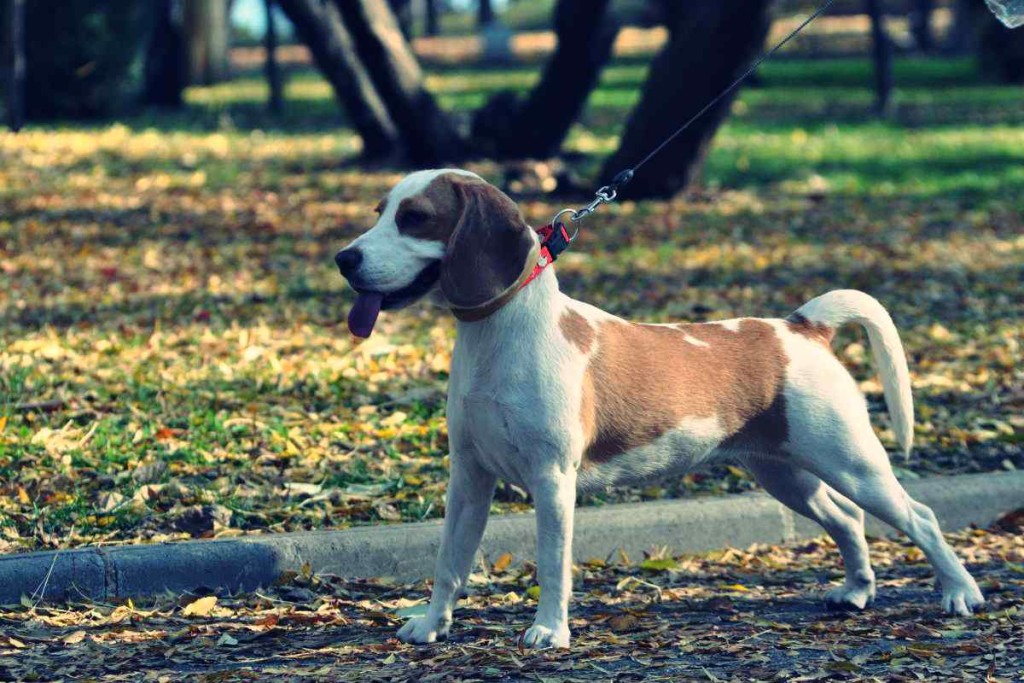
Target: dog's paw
851,597
539,637
423,630
962,598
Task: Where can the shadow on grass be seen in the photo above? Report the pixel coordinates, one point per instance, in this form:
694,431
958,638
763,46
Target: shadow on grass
127,227
955,86
323,305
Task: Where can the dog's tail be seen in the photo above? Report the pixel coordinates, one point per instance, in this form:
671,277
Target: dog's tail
842,306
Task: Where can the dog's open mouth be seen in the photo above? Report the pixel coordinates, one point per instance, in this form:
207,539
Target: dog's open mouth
363,316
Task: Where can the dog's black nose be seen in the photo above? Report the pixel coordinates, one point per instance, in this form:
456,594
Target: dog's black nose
348,261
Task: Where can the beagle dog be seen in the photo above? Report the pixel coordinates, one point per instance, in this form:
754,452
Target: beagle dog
559,397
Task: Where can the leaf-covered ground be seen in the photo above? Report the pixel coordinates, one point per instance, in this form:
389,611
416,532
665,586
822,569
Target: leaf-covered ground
733,615
171,359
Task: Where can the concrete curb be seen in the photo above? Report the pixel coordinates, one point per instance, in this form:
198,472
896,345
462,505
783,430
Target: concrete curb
406,551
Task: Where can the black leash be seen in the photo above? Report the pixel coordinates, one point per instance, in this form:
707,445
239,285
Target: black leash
608,192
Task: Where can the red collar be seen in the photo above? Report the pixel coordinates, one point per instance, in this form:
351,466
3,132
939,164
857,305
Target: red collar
552,243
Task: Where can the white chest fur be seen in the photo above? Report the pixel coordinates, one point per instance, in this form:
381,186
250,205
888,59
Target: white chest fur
513,398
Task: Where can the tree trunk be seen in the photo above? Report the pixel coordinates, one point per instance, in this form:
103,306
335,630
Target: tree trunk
14,60
508,128
428,134
275,102
1000,49
881,51
403,14
432,18
959,39
166,69
206,25
485,13
921,24
320,28
710,44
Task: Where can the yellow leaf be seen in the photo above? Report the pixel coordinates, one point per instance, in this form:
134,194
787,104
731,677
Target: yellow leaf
14,642
387,433
659,565
533,592
23,496
120,613
74,638
395,419
201,607
738,587
737,472
502,563
3,422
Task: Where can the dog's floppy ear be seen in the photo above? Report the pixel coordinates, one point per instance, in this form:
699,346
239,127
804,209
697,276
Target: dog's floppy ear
491,252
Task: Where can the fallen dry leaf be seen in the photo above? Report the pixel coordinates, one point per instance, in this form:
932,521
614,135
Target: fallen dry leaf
201,607
502,563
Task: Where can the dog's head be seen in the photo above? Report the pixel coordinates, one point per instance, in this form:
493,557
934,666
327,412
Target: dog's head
441,232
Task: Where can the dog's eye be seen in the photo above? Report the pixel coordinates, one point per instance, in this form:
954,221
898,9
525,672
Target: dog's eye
412,218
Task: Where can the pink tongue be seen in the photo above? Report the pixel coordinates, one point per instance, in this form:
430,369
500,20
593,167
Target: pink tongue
363,315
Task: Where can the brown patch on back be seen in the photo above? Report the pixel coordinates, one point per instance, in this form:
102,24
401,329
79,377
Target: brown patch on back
644,380
815,331
577,330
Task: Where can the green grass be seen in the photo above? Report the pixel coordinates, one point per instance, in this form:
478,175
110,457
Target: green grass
169,279
949,131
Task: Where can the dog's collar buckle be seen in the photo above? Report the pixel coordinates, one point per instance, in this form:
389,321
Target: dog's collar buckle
554,239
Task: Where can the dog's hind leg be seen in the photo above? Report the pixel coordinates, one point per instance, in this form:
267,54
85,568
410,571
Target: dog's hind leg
807,495
468,502
850,458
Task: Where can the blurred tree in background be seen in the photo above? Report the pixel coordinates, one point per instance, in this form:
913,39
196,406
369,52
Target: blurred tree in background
208,37
85,58
99,58
96,58
733,32
166,70
535,126
1000,49
12,60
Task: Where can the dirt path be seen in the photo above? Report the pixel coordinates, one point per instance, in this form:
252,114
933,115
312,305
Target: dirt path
744,615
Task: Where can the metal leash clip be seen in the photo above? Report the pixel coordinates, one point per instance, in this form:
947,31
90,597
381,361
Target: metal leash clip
605,195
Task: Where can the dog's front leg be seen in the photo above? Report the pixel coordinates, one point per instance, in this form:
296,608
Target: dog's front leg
469,500
554,497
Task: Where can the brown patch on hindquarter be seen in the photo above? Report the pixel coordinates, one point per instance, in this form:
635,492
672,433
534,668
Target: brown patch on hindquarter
815,331
644,380
577,330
